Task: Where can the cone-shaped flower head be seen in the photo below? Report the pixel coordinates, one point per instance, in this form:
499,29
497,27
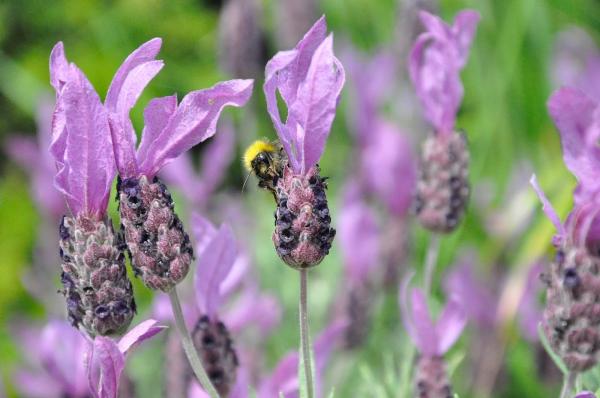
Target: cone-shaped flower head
309,78
436,60
432,339
570,317
99,294
59,351
160,250
106,357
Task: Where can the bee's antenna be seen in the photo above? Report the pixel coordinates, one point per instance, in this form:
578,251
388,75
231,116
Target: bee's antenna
245,181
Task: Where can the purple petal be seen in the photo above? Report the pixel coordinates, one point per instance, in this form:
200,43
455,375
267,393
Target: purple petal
359,240
85,162
547,208
204,231
217,157
24,151
530,309
157,115
59,67
573,113
139,334
105,365
428,342
316,102
213,265
253,308
324,345
194,121
180,174
465,25
450,325
404,304
585,394
123,134
34,385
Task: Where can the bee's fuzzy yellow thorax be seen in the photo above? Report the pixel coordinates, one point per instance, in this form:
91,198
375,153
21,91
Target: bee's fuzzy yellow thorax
254,149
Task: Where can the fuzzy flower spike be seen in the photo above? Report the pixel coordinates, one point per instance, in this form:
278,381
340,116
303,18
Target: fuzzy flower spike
160,249
570,318
309,78
99,294
436,59
432,339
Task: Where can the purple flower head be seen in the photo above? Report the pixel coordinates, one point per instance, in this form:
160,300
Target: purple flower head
359,237
106,358
388,155
474,297
36,160
577,118
576,62
309,78
284,378
585,394
197,187
60,350
170,129
431,338
530,309
81,143
436,60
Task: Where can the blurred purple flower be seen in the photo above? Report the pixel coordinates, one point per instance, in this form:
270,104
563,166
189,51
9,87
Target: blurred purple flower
577,117
36,160
359,238
576,62
106,358
585,394
436,60
530,309
198,187
473,296
170,129
294,17
432,339
284,378
58,351
309,78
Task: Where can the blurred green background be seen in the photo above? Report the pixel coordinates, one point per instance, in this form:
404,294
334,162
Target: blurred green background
507,82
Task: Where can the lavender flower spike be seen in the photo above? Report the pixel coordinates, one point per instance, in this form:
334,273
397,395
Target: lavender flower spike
99,294
436,60
159,248
431,339
105,360
310,79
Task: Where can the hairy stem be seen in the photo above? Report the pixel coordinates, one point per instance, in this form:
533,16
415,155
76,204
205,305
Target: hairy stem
304,333
188,346
430,261
568,384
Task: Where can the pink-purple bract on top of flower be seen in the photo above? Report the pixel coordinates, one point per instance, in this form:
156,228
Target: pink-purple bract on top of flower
197,186
436,59
105,360
81,142
56,354
432,339
33,156
284,378
309,79
576,62
474,296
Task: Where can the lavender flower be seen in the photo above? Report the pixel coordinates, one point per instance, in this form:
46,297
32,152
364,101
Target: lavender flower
570,318
310,79
431,339
436,60
99,294
106,358
58,352
159,248
283,380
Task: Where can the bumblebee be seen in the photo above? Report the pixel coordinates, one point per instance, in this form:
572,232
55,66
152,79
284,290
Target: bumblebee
266,160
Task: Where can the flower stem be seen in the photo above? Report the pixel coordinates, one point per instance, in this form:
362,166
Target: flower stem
568,384
188,346
304,333
430,262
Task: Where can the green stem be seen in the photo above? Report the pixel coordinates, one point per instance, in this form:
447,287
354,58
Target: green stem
430,262
188,346
304,333
568,384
